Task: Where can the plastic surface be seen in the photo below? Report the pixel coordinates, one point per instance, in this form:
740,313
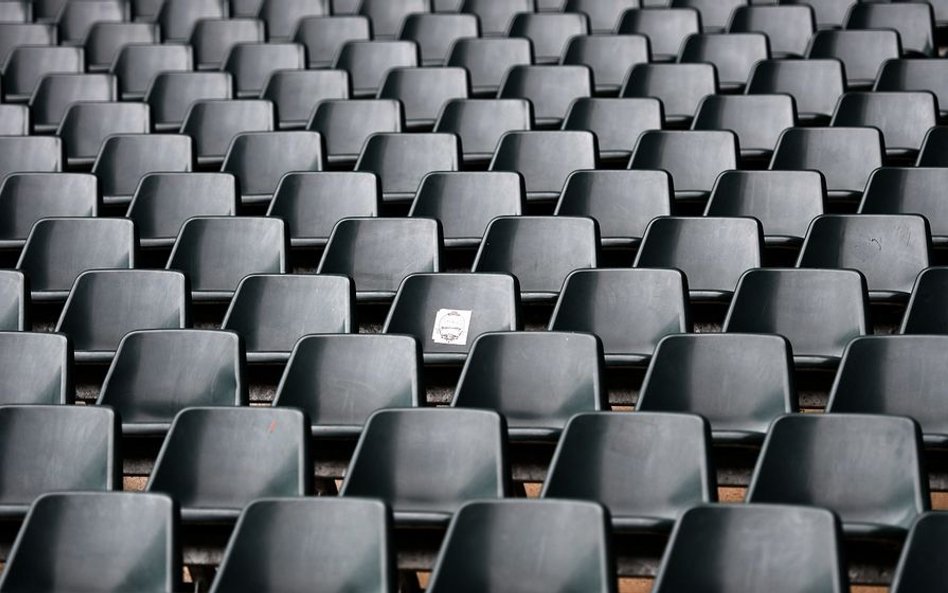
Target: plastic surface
545,159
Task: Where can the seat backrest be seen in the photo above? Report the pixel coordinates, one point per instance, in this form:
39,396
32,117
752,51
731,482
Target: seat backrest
171,94
862,52
28,197
914,22
178,18
551,89
402,160
30,154
106,39
604,15
260,159
904,190
297,93
368,62
35,368
845,156
545,159
617,123
212,39
435,34
423,91
480,123
815,85
733,54
137,65
14,35
550,32
124,159
916,571
933,148
915,75
609,56
251,64
488,59
788,28
830,14
27,65
346,125
496,15
903,117
164,201
86,126
324,36
758,120
283,16
387,17
666,28
694,159
14,301
715,14
680,87
214,123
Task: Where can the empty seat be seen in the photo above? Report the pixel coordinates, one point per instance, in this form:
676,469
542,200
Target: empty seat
14,301
488,548
630,310
56,92
86,126
35,368
423,92
819,311
622,214
732,54
914,22
549,32
106,40
79,452
125,158
845,156
171,94
27,197
447,312
16,11
338,396
145,10
551,89
480,123
783,201
29,154
137,65
27,65
247,8
218,251
158,373
59,249
354,547
76,18
14,120
862,52
324,36
535,380
402,160
865,468
603,15
496,15
758,120
889,249
488,60
387,17
715,14
909,190
251,64
466,202
712,252
680,87
830,14
666,28
367,62
815,85
711,549
617,123
260,159
297,93
609,56
647,468
540,251
179,18
346,125
214,123
916,75
283,16
312,203
925,313
739,382
788,28
694,159
378,253
426,463
14,35
903,118
436,33
128,542
545,159
271,312
216,460
917,570
164,201
212,39
932,153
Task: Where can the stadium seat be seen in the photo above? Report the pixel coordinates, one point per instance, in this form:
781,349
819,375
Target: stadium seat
27,65
426,463
783,201
14,120
283,16
164,201
488,60
28,197
550,33
715,14
723,548
866,468
218,251
17,11
916,75
324,36
732,54
435,34
86,126
609,56
106,40
694,159
56,92
889,249
57,250
367,62
815,85
346,125
402,160
551,90
180,18
158,373
862,52
171,94
35,368
447,312
758,121
904,118
925,313
629,309
918,569
76,18
933,151
645,468
739,382
338,396
545,159
252,64
680,87
79,452
788,28
260,159
605,197
248,8
14,35
466,202
387,17
603,15
271,312
125,158
212,39
914,22
216,460
137,65
480,123
214,123
110,530
30,154
496,16
617,123
14,301
909,190
297,93
830,14
378,253
331,544
666,28
423,91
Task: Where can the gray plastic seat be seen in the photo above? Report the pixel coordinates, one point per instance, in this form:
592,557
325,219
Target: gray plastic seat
251,64
739,382
216,460
76,18
346,125
35,368
666,28
480,123
271,312
617,123
550,33
862,52
918,569
916,75
164,201
324,36
732,54
496,15
30,154
260,159
368,62
909,190
609,56
79,452
28,197
604,15
423,92
14,301
680,87
830,14
925,313
758,121
630,310
27,65
125,158
913,21
14,35
402,160
14,120
137,65
694,159
435,34
715,14
214,123
106,39
283,16
297,93
426,463
818,311
487,60
551,89
904,118
56,92
171,94
815,85
108,527
646,468
788,28
545,159
86,126
212,39
16,11
387,17
179,18
932,153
